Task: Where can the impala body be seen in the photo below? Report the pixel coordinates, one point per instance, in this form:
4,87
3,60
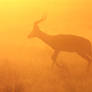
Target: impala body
68,43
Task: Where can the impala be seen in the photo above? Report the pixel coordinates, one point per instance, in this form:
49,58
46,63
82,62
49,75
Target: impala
68,43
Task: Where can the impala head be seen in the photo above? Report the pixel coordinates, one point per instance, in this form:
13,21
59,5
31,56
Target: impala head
36,28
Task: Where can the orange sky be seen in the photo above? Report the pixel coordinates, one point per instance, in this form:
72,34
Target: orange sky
63,16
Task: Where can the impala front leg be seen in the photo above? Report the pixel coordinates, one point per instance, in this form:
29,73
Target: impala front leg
54,57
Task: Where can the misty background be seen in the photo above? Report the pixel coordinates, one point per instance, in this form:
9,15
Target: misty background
25,64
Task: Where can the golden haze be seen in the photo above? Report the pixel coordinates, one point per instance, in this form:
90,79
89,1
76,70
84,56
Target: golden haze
32,57
63,16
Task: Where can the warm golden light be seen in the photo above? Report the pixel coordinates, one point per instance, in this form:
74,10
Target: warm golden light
17,19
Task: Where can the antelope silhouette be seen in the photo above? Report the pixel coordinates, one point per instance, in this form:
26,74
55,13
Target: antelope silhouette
68,43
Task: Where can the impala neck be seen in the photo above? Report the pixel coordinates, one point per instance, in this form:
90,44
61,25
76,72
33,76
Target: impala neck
43,36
